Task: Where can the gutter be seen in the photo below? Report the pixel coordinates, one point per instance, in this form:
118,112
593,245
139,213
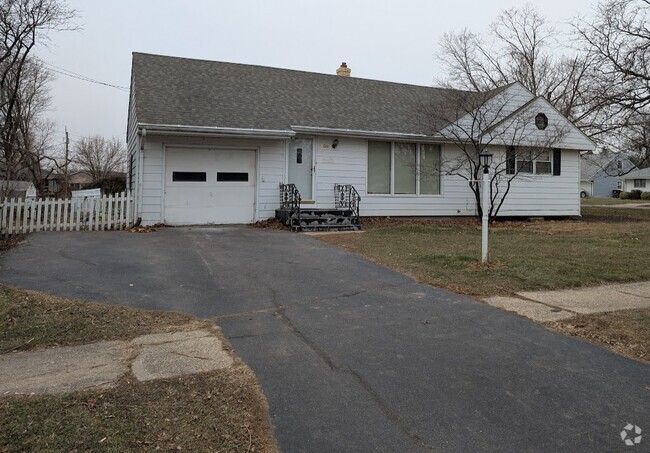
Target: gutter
279,134
357,133
189,131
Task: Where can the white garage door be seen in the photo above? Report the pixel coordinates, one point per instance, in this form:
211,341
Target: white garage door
204,186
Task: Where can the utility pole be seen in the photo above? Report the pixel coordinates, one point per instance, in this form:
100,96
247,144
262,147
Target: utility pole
65,168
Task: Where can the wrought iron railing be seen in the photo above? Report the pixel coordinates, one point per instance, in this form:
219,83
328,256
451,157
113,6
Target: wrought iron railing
347,197
290,199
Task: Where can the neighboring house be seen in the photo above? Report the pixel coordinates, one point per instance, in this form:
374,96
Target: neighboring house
77,180
17,189
601,174
211,142
637,180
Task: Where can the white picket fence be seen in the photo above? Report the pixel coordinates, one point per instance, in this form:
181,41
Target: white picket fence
111,212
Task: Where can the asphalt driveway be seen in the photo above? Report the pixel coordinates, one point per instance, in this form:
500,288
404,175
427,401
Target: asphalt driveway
353,356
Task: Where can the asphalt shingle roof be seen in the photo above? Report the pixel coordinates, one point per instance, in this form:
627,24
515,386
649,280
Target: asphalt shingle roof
188,92
639,174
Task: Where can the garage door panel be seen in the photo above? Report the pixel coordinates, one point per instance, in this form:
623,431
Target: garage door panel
204,186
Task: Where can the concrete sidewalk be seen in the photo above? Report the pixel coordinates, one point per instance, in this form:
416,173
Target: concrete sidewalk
72,368
555,305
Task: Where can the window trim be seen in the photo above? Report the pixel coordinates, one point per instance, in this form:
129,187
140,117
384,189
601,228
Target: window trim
417,194
534,164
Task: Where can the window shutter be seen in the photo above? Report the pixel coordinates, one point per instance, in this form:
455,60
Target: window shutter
557,162
510,158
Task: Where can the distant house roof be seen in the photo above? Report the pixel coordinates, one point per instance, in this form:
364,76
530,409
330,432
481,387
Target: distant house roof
200,93
638,174
592,164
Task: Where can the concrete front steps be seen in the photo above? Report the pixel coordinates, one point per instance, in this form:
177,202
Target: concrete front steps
312,219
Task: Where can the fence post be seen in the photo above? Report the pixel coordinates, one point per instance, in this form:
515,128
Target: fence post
127,210
11,216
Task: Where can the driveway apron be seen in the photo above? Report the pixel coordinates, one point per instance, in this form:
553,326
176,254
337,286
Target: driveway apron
353,356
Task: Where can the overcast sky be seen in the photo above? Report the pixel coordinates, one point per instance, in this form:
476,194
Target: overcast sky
379,39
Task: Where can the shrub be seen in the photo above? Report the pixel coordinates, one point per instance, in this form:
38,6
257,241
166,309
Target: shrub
624,195
645,195
635,194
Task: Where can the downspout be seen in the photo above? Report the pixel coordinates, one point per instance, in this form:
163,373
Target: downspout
139,195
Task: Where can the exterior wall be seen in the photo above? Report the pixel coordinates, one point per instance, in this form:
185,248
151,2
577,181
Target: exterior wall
560,133
629,186
603,186
541,195
535,195
586,186
270,171
545,195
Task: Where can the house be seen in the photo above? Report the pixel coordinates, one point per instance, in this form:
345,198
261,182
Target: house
212,142
17,189
638,179
600,174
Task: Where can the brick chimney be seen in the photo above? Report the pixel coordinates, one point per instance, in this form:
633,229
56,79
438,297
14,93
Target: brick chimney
343,71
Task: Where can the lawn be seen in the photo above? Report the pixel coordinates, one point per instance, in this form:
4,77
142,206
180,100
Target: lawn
591,201
223,410
525,255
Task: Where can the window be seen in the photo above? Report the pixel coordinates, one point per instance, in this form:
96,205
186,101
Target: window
405,163
430,169
403,168
189,176
232,177
541,121
379,168
639,183
619,185
534,162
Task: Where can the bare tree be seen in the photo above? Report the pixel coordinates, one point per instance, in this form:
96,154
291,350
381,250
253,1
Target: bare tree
486,122
23,24
522,47
99,157
617,40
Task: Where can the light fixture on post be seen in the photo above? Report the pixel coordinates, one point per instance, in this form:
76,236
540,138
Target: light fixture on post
486,161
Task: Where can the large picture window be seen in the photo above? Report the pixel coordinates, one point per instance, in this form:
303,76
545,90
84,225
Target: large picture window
403,168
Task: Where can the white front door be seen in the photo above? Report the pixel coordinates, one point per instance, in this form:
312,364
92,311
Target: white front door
301,162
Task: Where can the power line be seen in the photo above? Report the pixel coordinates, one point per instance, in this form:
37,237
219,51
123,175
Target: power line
74,75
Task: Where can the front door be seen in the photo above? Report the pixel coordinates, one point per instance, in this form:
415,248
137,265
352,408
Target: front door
301,162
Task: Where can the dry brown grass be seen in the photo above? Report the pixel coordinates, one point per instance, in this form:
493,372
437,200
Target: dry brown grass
626,332
224,410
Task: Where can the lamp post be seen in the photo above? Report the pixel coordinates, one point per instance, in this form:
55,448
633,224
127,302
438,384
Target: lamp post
486,161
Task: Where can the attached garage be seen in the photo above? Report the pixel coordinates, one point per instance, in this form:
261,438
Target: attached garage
209,186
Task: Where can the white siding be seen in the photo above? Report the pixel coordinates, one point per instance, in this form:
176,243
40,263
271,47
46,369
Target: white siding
271,171
490,113
529,196
520,130
347,164
545,195
629,186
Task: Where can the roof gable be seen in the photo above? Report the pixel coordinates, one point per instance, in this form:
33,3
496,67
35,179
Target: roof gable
518,128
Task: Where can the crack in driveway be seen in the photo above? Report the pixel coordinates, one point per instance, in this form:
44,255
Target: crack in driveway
401,424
